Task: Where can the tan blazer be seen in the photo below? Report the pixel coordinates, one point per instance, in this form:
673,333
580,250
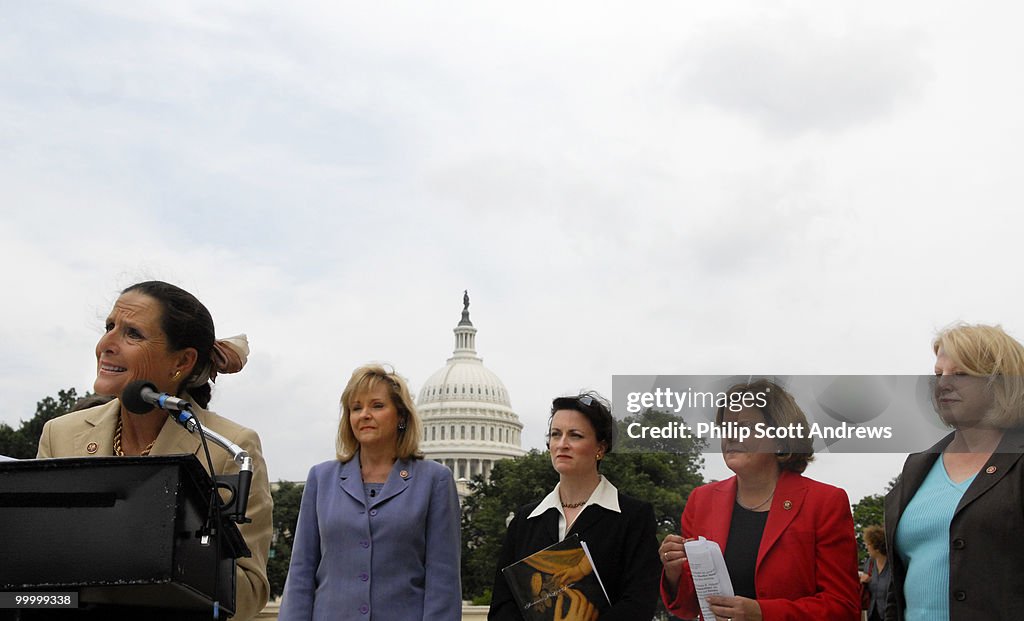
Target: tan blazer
72,434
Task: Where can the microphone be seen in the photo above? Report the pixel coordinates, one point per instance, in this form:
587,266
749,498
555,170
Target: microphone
140,397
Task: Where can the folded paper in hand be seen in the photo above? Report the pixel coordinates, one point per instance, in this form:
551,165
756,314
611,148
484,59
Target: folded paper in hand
710,575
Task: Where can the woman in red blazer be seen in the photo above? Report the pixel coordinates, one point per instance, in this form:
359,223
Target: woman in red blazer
788,541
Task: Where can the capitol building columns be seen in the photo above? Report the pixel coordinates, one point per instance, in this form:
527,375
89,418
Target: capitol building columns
468,468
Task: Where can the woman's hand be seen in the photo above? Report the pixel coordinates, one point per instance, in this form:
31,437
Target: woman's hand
864,578
735,608
673,556
580,609
573,574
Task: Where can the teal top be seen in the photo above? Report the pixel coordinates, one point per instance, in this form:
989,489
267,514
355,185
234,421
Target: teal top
922,539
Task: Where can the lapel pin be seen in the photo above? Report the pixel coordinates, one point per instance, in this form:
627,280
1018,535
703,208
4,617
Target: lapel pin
404,474
787,505
92,448
991,470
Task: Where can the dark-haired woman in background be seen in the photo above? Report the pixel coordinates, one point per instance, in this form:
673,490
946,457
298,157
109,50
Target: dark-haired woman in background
954,518
619,530
788,541
163,334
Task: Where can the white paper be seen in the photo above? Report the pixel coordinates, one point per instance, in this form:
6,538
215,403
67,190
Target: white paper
710,575
586,550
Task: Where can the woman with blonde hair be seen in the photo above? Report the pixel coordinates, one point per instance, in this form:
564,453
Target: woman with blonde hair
378,529
951,516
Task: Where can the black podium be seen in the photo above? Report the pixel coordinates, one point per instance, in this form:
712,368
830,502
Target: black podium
125,533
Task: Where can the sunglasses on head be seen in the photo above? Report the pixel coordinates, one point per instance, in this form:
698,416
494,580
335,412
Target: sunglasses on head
586,401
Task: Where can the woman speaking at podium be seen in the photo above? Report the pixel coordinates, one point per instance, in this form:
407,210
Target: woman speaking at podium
162,334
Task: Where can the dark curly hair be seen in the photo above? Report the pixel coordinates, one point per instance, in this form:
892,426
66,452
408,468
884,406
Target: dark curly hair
595,408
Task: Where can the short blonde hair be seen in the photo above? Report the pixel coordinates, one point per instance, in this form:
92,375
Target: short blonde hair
780,410
366,378
988,351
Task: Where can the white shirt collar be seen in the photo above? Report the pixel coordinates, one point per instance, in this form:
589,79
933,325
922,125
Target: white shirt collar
605,495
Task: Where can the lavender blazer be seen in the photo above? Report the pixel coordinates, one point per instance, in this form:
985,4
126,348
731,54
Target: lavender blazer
395,557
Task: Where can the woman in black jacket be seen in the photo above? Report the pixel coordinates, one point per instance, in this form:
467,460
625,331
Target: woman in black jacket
619,531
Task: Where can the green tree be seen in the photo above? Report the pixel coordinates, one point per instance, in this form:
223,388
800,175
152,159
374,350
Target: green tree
513,482
663,475
867,511
23,442
662,471
287,497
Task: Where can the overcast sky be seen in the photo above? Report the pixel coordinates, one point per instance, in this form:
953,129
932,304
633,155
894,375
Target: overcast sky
698,188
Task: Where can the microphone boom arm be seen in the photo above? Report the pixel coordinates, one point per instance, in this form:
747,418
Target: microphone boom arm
238,454
141,396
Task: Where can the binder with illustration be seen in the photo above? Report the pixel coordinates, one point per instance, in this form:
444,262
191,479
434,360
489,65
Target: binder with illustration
559,576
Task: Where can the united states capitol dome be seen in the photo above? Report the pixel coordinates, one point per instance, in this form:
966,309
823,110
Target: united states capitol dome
464,378
468,421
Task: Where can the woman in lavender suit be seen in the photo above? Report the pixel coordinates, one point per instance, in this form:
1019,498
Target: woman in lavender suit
378,530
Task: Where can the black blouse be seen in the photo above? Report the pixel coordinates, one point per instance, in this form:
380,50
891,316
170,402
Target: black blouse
745,534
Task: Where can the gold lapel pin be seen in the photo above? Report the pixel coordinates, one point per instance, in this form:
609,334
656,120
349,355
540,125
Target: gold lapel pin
92,448
991,470
787,505
404,474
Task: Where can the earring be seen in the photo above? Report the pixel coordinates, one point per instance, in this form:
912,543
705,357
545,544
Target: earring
177,374
401,426
599,456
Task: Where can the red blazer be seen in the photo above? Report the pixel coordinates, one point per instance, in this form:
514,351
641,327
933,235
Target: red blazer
807,562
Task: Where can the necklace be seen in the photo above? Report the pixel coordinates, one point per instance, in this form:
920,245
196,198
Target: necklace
117,442
757,506
376,473
573,505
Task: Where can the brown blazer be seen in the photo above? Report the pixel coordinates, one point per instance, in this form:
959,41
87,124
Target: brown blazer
986,558
70,436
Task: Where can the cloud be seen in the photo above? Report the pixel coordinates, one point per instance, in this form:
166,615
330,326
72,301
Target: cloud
791,77
669,188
